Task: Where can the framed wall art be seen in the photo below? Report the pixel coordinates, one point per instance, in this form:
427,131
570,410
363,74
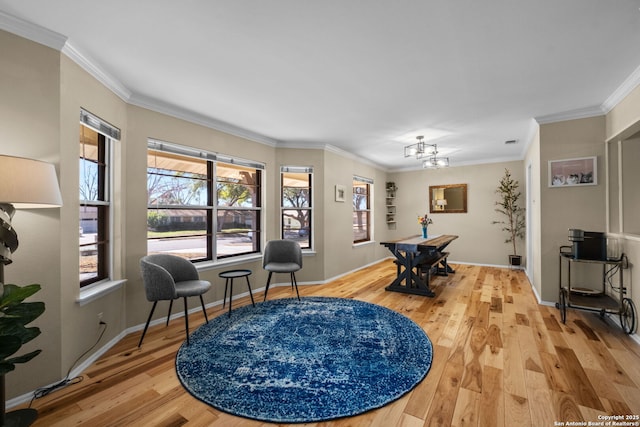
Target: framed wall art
573,172
340,190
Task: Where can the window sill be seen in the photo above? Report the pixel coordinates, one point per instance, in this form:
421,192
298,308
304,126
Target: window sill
98,290
210,265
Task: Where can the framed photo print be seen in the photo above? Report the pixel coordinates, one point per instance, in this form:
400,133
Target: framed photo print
573,172
340,192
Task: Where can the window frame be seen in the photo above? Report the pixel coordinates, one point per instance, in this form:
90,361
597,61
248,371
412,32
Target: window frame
368,185
106,138
162,206
255,234
214,162
308,170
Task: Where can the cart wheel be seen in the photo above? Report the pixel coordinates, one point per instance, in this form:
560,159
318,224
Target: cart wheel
628,316
562,306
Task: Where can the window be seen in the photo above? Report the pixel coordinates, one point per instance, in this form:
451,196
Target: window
238,207
296,204
179,207
96,137
201,206
361,209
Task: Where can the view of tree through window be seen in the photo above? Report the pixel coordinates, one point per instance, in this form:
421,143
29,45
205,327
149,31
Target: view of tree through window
238,206
189,217
179,209
296,205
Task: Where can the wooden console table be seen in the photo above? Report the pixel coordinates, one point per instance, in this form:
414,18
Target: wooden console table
410,253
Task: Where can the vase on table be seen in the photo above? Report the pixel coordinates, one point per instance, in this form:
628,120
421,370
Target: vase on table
424,231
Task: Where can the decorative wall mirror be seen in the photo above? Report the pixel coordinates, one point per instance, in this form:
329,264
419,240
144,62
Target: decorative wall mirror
448,198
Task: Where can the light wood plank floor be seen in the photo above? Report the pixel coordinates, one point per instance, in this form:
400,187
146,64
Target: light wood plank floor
500,359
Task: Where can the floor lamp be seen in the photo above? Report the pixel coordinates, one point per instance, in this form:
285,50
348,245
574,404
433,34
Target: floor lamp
24,184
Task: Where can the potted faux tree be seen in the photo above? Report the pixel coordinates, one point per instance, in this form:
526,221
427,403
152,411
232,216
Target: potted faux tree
513,222
15,314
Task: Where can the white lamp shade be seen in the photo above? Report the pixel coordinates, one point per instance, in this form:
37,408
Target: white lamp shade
28,184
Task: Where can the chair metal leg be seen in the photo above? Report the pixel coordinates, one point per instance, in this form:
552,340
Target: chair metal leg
169,313
295,283
186,319
204,310
267,288
147,324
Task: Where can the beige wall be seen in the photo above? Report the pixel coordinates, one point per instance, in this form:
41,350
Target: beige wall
340,253
479,241
30,127
80,323
568,207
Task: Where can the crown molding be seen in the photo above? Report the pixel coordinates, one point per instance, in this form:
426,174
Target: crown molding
627,86
89,65
61,43
579,113
418,166
622,91
43,36
331,149
31,31
189,116
305,145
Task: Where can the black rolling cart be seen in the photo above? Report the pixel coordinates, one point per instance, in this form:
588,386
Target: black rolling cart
610,298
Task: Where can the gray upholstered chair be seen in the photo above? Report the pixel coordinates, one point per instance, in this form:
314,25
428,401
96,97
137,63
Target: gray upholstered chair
168,277
282,256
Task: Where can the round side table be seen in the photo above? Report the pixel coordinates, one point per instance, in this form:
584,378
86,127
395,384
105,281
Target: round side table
229,275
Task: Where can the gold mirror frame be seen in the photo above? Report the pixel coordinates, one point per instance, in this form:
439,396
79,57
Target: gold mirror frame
450,198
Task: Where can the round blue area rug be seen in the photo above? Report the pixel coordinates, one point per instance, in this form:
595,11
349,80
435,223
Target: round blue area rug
290,361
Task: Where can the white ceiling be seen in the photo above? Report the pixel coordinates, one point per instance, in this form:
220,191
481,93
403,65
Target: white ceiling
363,76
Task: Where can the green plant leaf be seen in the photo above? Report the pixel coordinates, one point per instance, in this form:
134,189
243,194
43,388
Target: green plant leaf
25,312
14,294
17,330
24,358
14,315
8,365
11,327
9,345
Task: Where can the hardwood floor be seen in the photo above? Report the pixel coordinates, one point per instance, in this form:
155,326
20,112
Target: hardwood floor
500,359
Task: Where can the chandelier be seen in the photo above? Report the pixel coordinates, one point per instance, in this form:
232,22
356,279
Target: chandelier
428,153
